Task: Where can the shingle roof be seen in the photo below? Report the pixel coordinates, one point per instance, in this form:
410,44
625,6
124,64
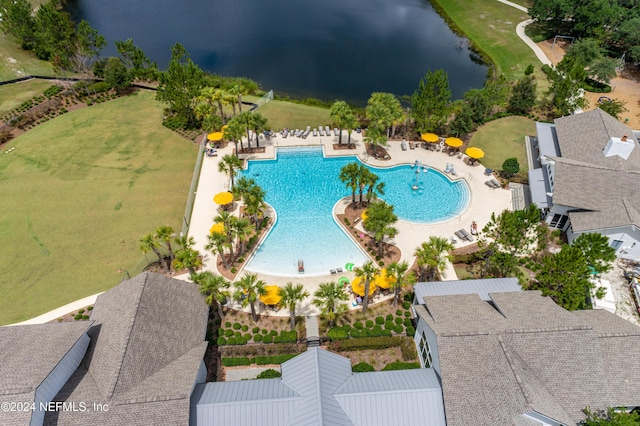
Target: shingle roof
318,388
147,344
534,357
479,287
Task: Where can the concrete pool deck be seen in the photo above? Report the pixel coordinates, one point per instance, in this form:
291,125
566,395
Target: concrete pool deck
483,201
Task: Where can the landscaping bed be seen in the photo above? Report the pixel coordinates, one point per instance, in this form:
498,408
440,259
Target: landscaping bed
237,328
231,273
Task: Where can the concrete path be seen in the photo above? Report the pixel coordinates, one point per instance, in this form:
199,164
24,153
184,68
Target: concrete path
311,323
63,310
520,32
235,375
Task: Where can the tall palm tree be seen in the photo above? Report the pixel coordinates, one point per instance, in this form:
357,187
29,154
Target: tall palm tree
380,220
248,291
291,295
349,175
328,298
375,137
150,243
184,241
215,287
367,272
234,132
165,233
243,186
218,244
235,91
339,111
255,205
241,229
229,164
247,86
246,121
226,219
400,278
375,186
258,125
230,99
350,123
432,257
188,258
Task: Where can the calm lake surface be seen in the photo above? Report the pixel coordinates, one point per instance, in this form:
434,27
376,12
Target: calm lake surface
329,49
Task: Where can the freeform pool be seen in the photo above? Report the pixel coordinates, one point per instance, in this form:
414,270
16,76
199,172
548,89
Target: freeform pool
303,186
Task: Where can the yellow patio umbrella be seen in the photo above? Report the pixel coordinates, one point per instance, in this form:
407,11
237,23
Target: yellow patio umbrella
475,153
215,136
223,198
217,228
430,137
357,285
272,297
364,215
383,280
224,127
454,142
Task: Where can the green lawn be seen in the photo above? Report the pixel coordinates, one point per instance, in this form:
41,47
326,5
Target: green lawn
77,194
12,95
294,116
502,139
15,62
491,26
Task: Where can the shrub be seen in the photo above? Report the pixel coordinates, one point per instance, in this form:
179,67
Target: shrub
408,322
228,332
377,258
381,263
355,333
365,343
401,366
237,326
369,323
234,270
257,338
286,336
221,341
346,221
337,333
269,374
89,308
244,328
398,329
255,330
85,317
408,297
237,335
411,331
77,317
265,331
241,259
273,359
267,339
408,349
379,320
389,325
511,166
389,317
362,367
273,333
358,325
99,87
398,320
52,91
406,305
407,314
399,312
81,311
227,324
346,327
231,341
232,362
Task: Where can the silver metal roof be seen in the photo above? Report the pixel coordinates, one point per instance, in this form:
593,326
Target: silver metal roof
539,187
547,141
480,287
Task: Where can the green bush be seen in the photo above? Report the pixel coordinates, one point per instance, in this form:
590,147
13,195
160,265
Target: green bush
362,367
355,333
398,321
81,311
286,336
365,343
227,324
237,335
389,317
267,339
77,317
407,314
389,325
510,166
408,322
257,338
273,359
241,259
273,333
411,331
369,324
408,297
255,330
337,333
228,333
233,362
398,329
221,341
408,348
265,331
546,68
90,308
237,326
85,317
346,221
269,374
379,320
399,312
381,263
406,305
401,366
99,87
231,341
234,270
358,325
52,91
245,328
596,86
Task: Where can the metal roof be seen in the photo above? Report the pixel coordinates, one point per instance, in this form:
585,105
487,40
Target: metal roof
480,287
539,188
547,141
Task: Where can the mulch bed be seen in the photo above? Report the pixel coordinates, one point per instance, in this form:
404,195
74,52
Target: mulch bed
391,253
339,147
380,153
226,272
254,150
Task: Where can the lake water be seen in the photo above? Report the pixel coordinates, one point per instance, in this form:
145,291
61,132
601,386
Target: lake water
329,49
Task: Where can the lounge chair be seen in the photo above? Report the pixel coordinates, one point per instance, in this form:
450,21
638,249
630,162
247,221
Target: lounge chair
403,145
327,130
492,183
336,132
460,234
315,132
333,271
467,235
285,133
412,145
321,130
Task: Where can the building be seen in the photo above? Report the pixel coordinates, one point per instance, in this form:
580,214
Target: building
584,171
517,358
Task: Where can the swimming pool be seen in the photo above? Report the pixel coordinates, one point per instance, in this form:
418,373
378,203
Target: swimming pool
303,186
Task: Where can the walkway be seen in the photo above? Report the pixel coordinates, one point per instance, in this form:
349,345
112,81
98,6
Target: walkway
61,311
520,32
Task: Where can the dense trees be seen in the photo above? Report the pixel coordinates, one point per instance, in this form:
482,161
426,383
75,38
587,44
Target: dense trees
379,222
431,257
523,96
430,101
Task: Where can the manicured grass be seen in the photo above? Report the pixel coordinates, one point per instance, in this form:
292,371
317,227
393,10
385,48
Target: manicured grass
502,139
77,194
12,95
294,116
15,62
491,26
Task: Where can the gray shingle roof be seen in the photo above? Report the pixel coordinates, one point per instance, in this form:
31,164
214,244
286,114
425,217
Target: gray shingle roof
479,287
318,388
534,356
147,344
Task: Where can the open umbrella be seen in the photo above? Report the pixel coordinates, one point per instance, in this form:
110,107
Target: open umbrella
454,142
383,280
272,297
357,285
430,137
217,228
223,198
475,153
215,136
364,215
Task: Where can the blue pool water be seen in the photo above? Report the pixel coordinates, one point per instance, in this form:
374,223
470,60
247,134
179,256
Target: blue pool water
303,186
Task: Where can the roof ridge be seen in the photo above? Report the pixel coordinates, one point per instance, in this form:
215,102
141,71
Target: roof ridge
128,335
516,376
548,330
316,359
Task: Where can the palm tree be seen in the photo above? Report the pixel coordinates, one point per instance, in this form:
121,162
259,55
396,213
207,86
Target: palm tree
150,243
246,121
246,86
339,111
243,186
230,99
184,241
234,132
380,220
367,272
350,123
248,291
188,258
215,287
225,218
432,258
328,298
236,92
400,277
349,175
254,204
292,294
229,164
374,188
165,233
241,228
375,137
218,243
258,125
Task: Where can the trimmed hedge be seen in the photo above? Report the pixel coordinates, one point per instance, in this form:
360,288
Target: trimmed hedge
267,339
252,351
411,331
269,374
221,341
362,367
233,362
379,320
337,333
273,359
401,366
358,325
408,348
365,343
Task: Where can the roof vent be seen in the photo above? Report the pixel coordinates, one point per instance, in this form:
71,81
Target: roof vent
621,147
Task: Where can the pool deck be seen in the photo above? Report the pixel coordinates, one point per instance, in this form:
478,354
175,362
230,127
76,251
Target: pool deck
483,202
